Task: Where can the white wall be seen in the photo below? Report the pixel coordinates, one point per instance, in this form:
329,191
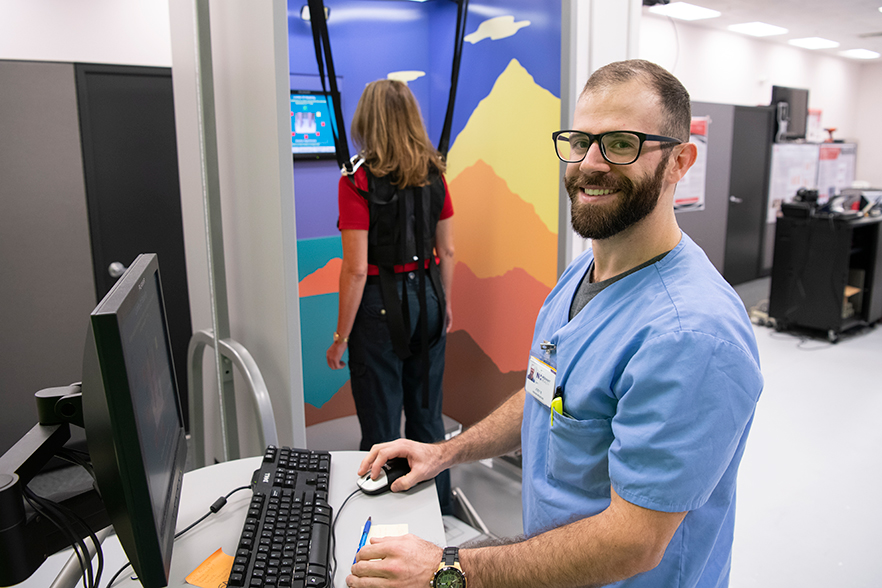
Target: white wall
870,124
130,32
728,68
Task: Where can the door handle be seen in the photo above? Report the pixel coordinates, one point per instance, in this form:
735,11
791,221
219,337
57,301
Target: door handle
116,269
735,200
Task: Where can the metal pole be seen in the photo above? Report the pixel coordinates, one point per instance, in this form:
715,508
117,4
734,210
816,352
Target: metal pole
214,227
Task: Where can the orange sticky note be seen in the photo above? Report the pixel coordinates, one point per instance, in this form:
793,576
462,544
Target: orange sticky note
213,572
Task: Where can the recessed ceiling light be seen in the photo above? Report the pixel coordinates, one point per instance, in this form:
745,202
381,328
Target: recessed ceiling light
859,54
683,11
757,29
814,43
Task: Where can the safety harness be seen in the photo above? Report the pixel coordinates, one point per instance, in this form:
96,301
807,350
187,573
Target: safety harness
402,231
402,220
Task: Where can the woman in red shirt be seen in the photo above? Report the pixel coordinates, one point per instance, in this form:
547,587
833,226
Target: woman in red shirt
398,257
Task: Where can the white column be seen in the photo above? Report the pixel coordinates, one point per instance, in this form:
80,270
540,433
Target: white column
250,55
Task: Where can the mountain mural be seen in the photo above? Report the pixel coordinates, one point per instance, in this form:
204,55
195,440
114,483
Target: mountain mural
325,280
496,231
473,385
498,313
510,130
504,182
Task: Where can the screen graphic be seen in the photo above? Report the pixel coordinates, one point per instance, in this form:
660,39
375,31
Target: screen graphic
312,118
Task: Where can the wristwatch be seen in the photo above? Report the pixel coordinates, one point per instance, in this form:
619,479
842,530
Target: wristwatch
449,574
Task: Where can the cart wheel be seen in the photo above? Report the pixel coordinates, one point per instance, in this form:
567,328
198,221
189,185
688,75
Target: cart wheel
832,336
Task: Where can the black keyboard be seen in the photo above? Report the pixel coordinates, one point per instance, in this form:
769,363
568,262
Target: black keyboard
285,541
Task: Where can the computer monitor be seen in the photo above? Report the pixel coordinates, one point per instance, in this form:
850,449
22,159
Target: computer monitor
792,112
312,124
133,419
128,404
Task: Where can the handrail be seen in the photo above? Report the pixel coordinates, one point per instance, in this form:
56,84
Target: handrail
244,362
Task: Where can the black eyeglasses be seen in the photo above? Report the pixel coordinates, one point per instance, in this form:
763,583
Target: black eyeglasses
616,147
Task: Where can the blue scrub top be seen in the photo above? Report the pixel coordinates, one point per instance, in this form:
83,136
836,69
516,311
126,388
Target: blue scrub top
660,376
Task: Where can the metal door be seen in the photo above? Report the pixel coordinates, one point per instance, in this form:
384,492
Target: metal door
130,162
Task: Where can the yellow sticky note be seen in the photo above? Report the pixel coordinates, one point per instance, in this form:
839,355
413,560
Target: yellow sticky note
213,572
387,531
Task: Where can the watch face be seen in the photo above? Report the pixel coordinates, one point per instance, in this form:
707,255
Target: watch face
449,578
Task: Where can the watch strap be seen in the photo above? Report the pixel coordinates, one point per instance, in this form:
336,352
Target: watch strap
451,556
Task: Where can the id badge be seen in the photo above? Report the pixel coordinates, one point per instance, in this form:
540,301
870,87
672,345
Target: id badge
540,380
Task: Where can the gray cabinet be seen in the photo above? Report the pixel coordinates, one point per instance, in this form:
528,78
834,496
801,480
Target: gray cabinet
731,227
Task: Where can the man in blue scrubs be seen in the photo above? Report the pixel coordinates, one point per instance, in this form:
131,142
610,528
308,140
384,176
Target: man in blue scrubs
644,379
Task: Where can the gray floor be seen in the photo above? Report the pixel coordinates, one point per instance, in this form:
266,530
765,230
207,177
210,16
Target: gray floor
808,508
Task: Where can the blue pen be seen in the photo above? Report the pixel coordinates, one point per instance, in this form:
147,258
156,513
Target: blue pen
364,535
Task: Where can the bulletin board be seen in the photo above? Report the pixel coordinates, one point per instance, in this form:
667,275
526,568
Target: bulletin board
794,166
836,169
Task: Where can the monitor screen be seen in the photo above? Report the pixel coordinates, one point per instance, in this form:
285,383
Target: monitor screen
133,419
796,112
312,120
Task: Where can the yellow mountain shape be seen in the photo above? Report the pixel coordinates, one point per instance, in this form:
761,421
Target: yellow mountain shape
496,231
511,130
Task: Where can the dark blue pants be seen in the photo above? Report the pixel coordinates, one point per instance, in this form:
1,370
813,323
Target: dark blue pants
383,385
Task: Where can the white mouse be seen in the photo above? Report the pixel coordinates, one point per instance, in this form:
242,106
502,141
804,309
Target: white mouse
391,471
377,486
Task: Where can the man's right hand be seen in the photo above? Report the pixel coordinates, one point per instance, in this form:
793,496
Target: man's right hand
426,461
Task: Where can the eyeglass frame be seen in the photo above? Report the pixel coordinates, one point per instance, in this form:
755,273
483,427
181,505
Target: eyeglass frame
643,137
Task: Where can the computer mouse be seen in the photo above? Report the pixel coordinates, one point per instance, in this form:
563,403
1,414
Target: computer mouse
391,471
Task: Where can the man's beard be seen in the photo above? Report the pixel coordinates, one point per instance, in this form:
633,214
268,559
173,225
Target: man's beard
634,203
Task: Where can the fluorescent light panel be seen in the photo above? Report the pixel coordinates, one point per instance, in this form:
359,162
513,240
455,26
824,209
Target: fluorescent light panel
859,54
814,43
684,11
757,29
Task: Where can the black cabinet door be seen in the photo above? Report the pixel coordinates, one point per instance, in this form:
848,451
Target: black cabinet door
130,162
748,189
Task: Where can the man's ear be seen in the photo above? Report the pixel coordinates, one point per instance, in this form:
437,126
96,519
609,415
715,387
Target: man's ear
682,158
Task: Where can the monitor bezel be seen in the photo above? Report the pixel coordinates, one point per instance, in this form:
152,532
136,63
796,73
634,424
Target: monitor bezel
112,437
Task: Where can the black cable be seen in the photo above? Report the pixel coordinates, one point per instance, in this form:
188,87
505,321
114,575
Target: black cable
215,507
332,569
116,575
67,522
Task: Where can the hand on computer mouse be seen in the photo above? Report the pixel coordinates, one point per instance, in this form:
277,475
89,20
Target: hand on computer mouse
423,459
390,471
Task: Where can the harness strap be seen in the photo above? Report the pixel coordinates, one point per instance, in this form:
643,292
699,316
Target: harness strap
419,198
321,40
461,13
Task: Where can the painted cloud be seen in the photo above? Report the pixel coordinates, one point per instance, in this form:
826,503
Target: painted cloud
496,28
405,76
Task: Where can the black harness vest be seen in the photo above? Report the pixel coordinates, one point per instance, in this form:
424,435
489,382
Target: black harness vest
402,230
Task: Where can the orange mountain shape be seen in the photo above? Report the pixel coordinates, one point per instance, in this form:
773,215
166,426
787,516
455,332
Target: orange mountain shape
496,231
473,386
498,313
325,280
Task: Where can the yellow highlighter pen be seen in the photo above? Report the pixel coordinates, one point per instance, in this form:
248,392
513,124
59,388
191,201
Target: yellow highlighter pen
557,403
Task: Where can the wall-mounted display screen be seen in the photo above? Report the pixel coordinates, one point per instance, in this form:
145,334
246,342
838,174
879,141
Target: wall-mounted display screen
312,120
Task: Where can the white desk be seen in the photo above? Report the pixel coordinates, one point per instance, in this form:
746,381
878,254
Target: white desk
418,508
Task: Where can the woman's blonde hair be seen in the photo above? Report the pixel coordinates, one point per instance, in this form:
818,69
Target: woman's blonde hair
389,132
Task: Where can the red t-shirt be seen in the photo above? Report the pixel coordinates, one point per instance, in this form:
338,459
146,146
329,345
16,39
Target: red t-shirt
354,212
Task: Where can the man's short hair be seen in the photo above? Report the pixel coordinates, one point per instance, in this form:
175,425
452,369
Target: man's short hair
673,97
